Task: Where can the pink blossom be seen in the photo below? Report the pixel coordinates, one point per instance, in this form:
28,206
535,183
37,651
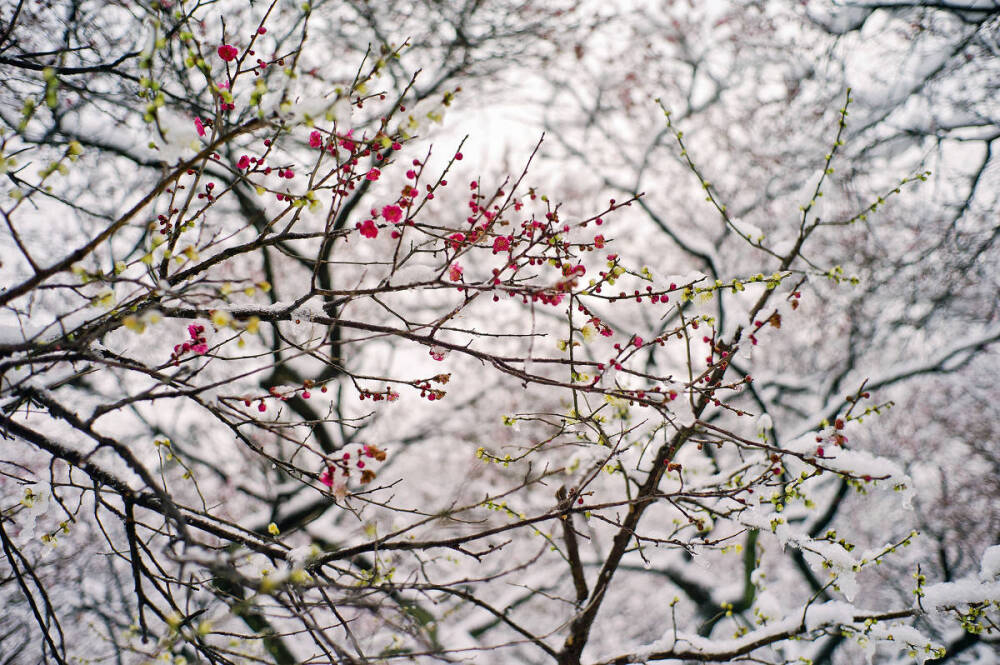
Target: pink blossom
337,482
373,174
244,163
501,244
455,272
438,352
327,476
456,239
228,52
199,126
368,228
392,213
315,140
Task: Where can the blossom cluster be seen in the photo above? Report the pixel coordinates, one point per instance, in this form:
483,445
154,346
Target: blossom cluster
353,463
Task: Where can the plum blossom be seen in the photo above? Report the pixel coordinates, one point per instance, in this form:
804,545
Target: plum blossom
336,480
198,342
392,213
501,244
228,52
356,462
455,272
368,228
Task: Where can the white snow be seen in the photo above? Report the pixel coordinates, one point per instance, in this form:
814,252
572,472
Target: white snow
834,612
990,565
963,592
